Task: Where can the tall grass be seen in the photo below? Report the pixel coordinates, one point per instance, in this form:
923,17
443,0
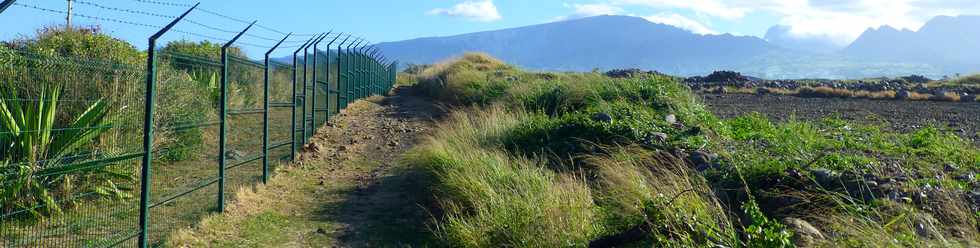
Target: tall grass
491,198
616,152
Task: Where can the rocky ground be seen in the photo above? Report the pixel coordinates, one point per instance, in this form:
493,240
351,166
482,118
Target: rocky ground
347,190
902,116
961,118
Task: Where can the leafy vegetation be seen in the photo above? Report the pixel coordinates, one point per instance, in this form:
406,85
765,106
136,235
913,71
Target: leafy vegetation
569,159
40,153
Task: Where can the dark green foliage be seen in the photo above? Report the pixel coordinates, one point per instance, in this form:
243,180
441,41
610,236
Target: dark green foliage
34,177
763,231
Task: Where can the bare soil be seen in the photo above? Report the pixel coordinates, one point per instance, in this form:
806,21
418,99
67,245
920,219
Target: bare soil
903,116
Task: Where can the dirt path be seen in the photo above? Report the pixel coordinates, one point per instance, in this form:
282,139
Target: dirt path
348,190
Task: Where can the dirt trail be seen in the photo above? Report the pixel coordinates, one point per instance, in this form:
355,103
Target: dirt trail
347,190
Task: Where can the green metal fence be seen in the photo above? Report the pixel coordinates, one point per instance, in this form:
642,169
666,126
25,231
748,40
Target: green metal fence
104,152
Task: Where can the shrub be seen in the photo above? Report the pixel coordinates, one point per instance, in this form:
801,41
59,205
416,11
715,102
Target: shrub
41,153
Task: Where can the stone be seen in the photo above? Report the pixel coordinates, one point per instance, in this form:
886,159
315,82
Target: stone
702,160
903,94
671,119
659,137
320,230
804,234
233,155
825,177
925,228
968,177
602,117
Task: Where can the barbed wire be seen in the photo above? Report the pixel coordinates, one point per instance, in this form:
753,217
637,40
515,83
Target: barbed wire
85,16
164,3
215,13
123,9
181,31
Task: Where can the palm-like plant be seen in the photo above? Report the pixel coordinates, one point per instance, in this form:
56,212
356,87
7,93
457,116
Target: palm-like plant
37,153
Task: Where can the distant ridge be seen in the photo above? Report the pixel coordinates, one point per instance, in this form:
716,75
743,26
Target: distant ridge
944,46
952,43
603,42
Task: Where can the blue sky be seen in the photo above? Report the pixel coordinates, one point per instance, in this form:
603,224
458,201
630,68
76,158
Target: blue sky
391,20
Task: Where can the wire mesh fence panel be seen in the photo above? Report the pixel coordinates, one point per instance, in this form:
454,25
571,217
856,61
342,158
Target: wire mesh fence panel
243,151
280,113
67,161
74,106
184,166
321,90
308,95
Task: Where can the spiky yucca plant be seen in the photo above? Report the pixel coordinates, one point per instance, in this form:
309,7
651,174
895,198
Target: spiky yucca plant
36,168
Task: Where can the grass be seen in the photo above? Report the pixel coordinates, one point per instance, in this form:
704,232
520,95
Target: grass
829,92
569,159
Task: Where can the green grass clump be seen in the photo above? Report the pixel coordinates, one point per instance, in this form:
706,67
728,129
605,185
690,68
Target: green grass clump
491,198
969,80
767,149
598,143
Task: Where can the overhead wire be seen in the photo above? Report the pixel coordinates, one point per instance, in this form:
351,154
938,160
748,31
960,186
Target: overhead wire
181,31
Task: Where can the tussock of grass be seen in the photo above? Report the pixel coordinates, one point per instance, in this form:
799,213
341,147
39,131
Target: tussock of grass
969,80
490,198
636,186
568,159
824,91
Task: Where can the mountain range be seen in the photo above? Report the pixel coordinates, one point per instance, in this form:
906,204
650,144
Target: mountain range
943,46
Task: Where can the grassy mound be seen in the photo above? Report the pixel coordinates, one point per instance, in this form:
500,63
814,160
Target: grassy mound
576,159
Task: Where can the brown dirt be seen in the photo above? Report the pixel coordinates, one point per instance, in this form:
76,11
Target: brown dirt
347,189
903,116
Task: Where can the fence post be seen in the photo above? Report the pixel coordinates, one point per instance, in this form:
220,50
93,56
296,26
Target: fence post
292,126
327,112
360,71
341,76
315,83
265,113
6,4
223,130
306,60
351,77
144,208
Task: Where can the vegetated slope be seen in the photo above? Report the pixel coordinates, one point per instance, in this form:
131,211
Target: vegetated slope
575,159
588,43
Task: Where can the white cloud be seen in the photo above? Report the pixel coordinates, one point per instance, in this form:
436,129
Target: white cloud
676,20
588,10
479,10
716,8
841,20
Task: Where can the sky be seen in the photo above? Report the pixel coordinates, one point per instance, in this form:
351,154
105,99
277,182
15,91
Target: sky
391,20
